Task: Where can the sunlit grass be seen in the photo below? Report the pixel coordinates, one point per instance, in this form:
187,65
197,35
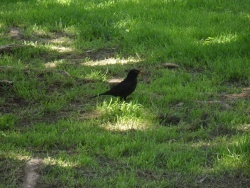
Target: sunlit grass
234,158
53,64
16,156
220,39
112,61
125,124
58,162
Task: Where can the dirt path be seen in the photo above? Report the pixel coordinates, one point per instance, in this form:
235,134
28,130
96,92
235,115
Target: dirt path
33,167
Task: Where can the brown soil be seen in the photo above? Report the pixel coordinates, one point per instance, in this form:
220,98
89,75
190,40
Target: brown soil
32,173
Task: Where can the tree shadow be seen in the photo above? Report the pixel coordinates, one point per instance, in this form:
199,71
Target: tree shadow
98,38
107,27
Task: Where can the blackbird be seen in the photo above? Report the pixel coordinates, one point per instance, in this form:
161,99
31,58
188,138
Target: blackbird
124,88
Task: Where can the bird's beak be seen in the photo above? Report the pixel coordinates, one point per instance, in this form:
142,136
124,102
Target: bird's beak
141,72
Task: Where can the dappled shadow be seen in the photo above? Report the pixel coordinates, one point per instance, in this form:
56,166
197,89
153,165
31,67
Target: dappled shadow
94,168
127,29
107,41
8,176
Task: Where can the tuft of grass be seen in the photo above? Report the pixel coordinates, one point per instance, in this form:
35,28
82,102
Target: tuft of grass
7,122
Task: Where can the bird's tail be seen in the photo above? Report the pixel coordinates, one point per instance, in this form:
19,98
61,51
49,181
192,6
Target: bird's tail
97,95
93,96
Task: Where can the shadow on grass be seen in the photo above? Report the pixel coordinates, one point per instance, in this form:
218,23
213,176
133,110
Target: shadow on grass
103,155
114,159
96,23
8,175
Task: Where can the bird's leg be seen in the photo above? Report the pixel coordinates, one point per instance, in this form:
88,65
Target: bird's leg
123,98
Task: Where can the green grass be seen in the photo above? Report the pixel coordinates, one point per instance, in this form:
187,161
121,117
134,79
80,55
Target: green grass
187,127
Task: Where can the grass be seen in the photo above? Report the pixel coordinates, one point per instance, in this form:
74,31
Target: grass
187,127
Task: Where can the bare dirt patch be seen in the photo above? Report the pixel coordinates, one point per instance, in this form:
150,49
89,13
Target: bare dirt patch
32,173
167,119
12,103
15,33
244,94
99,54
170,66
226,180
10,48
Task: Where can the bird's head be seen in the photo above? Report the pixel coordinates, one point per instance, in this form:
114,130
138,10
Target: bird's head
133,73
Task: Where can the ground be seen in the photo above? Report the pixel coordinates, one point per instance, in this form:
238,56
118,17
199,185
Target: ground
186,125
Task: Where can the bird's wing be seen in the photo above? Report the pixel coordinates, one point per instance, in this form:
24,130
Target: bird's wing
121,88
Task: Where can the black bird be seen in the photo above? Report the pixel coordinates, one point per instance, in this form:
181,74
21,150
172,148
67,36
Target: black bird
124,88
